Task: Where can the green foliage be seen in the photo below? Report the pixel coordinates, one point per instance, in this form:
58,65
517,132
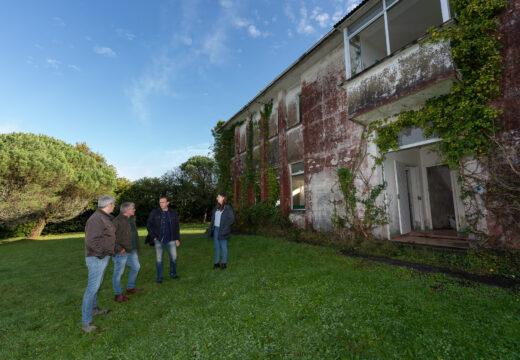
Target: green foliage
224,150
463,119
273,186
190,189
46,180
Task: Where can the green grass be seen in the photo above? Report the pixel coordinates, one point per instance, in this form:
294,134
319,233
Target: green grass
277,299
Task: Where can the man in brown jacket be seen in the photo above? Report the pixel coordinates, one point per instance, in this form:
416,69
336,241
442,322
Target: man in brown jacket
100,239
127,243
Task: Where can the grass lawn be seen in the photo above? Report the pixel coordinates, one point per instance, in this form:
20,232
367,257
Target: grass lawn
277,299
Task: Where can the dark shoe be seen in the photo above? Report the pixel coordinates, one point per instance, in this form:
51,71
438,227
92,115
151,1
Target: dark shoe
175,277
133,291
121,298
223,267
159,281
88,327
216,266
98,311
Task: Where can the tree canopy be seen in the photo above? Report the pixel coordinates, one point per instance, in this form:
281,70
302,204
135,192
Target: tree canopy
43,179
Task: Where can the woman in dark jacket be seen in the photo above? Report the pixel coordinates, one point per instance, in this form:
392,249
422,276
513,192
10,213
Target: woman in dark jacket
220,229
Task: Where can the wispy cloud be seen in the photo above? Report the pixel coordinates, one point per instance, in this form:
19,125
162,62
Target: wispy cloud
105,51
160,163
253,31
53,63
74,67
304,27
8,127
321,17
57,21
125,34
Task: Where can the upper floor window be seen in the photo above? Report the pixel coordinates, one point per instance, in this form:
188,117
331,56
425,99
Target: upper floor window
387,26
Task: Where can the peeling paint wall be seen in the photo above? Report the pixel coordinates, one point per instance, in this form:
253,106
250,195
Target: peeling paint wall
408,70
330,139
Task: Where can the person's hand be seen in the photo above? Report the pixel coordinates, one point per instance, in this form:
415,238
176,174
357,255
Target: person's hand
154,239
122,252
178,243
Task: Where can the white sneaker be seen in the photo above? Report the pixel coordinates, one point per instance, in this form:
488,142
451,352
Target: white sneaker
88,327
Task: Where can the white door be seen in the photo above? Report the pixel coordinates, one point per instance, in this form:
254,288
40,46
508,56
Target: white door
416,197
403,204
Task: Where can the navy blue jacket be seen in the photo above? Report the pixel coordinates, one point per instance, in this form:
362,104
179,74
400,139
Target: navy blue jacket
154,224
226,220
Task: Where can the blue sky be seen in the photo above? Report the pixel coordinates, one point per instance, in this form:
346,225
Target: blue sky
144,82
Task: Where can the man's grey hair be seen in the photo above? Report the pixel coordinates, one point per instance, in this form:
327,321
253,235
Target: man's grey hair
105,200
125,207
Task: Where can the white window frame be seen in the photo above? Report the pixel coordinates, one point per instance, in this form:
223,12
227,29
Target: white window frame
445,10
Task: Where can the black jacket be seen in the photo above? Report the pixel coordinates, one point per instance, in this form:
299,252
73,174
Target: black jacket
154,224
226,220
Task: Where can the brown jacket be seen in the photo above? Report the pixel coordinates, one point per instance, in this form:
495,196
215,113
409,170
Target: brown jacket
100,235
124,234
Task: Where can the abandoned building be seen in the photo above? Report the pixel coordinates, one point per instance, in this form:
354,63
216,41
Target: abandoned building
376,62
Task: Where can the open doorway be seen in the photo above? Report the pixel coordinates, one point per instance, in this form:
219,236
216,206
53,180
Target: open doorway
441,197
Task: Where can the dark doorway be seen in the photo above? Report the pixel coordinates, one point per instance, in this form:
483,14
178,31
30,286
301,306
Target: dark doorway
441,197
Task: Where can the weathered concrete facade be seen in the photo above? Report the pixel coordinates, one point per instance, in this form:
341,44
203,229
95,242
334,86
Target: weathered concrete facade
321,108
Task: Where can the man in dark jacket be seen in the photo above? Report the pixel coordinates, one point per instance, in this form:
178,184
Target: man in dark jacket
127,243
163,229
100,239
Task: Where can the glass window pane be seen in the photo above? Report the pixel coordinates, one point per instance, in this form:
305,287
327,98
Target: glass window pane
409,19
297,168
369,15
298,192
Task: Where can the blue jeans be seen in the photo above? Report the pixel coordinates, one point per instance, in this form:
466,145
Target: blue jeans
96,270
171,246
219,245
120,261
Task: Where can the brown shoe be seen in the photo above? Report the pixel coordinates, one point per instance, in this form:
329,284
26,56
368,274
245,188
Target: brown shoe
121,298
133,291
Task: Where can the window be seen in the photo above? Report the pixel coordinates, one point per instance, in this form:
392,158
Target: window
410,19
297,186
388,26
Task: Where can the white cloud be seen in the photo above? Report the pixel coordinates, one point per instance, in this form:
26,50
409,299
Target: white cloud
289,13
303,26
226,4
53,63
57,21
253,31
186,40
125,34
74,67
8,127
105,51
160,163
321,17
214,46
88,38
289,33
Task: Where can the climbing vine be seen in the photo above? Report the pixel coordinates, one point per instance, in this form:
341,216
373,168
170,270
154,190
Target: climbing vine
224,150
464,120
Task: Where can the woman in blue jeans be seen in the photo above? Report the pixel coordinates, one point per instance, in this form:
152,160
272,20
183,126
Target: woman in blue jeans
220,229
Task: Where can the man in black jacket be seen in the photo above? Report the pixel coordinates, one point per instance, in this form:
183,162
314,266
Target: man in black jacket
163,229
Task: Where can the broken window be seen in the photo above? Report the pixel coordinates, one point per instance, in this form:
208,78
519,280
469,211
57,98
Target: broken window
297,186
387,26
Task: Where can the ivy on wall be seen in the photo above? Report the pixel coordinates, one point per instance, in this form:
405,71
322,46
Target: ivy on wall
463,119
